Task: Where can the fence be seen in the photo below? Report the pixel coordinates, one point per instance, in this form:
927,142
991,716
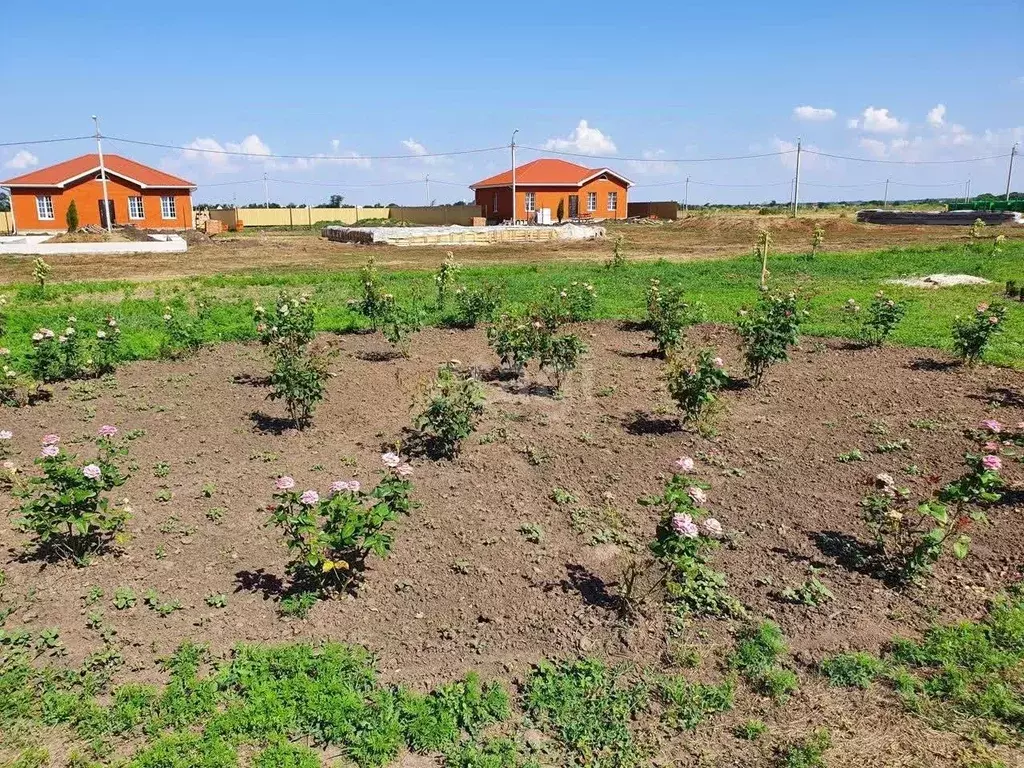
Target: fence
6,222
310,217
665,210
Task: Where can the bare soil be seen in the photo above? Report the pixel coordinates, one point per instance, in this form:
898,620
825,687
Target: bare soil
465,589
692,239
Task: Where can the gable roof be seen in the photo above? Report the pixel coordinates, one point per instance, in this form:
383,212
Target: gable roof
61,174
548,172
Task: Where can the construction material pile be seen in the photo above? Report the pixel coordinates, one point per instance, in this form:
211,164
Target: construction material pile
458,235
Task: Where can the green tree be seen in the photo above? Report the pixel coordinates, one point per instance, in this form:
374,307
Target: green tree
71,217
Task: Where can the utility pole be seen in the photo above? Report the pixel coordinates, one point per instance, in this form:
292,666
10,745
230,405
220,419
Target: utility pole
686,197
1009,173
103,174
967,192
885,200
266,191
796,180
426,180
514,175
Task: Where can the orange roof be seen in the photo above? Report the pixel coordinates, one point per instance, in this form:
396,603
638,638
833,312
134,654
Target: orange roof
548,172
60,174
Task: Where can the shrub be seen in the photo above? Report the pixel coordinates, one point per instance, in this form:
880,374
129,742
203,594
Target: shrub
618,259
182,333
16,389
695,387
57,357
398,325
41,273
681,550
71,217
768,331
300,379
330,538
288,325
453,406
571,304
66,507
668,315
559,355
884,314
513,340
910,537
374,303
445,278
476,305
108,346
971,335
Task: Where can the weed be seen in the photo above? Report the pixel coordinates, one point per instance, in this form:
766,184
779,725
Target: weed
757,656
216,601
687,705
532,532
856,669
298,604
850,456
215,514
208,490
124,598
811,592
161,469
561,496
892,446
806,753
750,730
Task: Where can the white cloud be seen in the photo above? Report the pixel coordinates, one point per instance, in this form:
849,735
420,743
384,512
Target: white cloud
229,157
936,116
335,143
22,160
814,114
585,140
418,149
806,160
874,146
853,123
878,120
653,163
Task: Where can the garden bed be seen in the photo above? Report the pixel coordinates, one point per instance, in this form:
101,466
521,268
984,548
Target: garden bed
466,587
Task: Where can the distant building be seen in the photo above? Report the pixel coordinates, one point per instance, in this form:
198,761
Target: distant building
584,193
137,194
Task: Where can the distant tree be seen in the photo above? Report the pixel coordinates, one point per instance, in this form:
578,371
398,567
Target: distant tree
5,202
71,217
335,201
560,211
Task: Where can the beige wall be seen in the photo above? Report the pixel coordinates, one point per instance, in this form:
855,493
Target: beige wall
6,222
436,215
310,217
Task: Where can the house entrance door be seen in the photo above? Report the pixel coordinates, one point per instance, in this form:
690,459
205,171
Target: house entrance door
574,206
103,213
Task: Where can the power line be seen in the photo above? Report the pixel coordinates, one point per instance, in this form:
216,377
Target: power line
343,185
333,158
656,159
44,141
904,162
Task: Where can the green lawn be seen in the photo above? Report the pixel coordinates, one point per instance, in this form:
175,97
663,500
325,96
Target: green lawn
724,286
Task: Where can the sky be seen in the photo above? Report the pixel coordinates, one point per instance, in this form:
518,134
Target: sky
635,89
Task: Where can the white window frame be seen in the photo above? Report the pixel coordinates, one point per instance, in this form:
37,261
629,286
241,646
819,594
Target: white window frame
168,208
131,208
613,202
531,201
591,202
44,208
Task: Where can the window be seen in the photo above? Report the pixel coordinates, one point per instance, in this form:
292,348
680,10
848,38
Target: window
167,208
135,209
44,207
613,202
531,202
591,201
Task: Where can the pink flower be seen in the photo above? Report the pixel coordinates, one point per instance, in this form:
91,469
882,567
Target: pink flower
92,472
404,470
51,439
697,495
354,486
6,434
990,446
339,486
310,497
712,527
718,362
983,307
391,459
993,320
684,526
685,463
992,462
108,430
49,451
284,483
992,426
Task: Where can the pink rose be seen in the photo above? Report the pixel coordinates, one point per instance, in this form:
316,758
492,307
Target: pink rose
990,446
992,462
92,472
310,497
712,527
992,425
684,526
404,470
697,495
108,430
49,451
51,439
718,362
284,483
983,307
339,486
391,459
685,463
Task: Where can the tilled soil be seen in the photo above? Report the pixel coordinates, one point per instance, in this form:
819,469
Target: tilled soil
464,588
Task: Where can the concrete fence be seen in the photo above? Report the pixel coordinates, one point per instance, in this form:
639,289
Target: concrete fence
6,222
311,217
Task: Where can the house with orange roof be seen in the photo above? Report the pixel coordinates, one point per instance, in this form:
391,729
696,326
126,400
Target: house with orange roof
568,190
136,194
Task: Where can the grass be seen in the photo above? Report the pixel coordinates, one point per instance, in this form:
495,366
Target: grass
759,649
723,285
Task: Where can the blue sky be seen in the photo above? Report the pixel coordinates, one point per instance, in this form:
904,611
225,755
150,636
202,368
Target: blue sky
894,81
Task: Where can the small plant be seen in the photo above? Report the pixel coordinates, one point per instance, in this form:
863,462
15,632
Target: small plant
182,333
850,456
618,259
688,704
972,335
330,538
750,730
669,315
512,339
532,532
909,537
758,649
884,314
476,305
41,272
124,598
445,278
108,346
71,217
768,331
216,601
811,593
817,239
398,325
806,753
453,407
977,230
559,355
849,670
160,606
695,386
66,507
300,379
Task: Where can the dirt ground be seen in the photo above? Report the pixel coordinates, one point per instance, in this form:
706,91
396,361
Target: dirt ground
694,238
464,589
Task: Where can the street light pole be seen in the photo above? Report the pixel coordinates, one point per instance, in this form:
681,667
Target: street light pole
514,175
103,174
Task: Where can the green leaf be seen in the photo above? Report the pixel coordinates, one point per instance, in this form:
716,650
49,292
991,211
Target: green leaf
961,546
